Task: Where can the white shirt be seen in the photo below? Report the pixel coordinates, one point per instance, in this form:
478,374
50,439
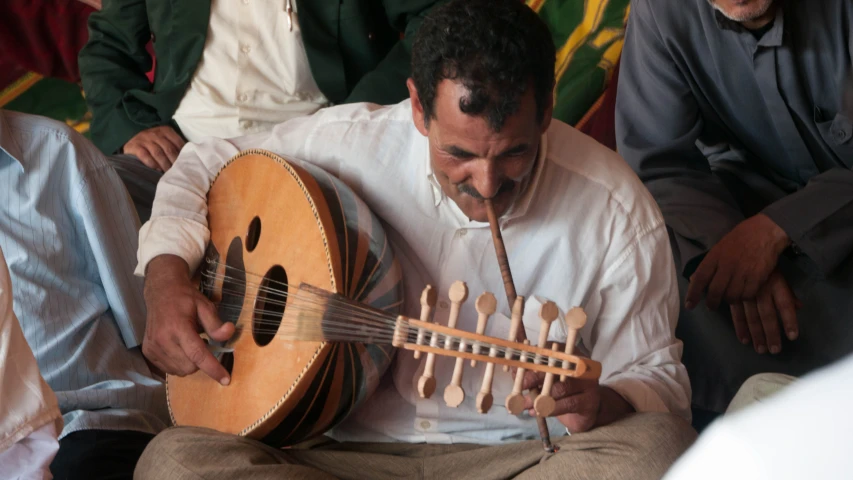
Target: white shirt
253,73
586,233
30,421
802,432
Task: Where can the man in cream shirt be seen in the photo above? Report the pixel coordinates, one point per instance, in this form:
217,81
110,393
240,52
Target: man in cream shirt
579,230
253,74
30,421
226,68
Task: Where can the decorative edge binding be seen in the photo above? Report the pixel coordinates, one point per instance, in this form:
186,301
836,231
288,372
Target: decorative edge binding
284,163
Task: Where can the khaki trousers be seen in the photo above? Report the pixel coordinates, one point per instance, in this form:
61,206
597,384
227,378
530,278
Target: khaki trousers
641,446
759,388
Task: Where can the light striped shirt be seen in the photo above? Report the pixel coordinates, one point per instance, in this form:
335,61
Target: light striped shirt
68,230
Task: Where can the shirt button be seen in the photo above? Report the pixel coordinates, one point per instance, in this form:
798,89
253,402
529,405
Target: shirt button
463,232
425,424
243,97
442,304
245,2
245,49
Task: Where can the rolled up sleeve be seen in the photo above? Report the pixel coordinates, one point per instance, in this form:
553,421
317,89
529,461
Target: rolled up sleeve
819,218
633,335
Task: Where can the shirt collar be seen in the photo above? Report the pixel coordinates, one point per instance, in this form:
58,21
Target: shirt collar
522,204
772,38
8,141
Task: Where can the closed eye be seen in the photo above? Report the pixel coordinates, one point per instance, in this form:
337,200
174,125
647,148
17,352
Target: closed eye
516,151
459,153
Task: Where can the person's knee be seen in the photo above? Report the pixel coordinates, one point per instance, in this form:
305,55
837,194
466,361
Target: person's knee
662,438
153,453
758,388
641,446
164,451
645,445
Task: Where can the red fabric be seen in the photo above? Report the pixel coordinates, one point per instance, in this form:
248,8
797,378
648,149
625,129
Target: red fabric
601,124
43,36
150,48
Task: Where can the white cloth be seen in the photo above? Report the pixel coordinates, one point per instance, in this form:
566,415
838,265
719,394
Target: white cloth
253,73
586,233
802,432
30,421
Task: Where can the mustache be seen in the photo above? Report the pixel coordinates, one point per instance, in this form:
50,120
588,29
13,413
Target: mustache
469,190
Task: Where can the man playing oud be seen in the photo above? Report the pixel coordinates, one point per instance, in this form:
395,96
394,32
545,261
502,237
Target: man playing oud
579,229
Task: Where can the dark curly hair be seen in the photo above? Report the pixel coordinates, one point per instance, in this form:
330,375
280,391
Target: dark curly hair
496,48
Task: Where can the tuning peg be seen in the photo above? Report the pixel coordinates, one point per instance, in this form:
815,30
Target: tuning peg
486,306
548,312
544,403
428,299
575,320
484,398
453,393
515,401
515,324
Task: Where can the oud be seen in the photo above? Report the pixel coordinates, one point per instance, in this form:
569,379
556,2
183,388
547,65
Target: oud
304,270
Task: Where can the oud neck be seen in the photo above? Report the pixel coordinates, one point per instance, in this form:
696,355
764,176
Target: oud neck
318,315
453,342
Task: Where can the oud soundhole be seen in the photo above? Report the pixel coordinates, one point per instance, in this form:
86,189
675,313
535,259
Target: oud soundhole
254,234
227,361
269,306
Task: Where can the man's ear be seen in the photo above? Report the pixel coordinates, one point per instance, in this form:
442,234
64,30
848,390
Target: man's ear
549,111
417,108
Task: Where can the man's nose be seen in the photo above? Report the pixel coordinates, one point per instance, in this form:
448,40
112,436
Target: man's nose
487,181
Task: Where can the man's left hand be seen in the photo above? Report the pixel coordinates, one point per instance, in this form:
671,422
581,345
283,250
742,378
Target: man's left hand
739,264
580,405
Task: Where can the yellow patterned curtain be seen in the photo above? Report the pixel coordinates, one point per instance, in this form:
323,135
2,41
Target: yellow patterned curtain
589,36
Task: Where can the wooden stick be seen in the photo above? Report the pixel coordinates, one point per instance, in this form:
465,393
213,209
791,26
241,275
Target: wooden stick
509,286
503,260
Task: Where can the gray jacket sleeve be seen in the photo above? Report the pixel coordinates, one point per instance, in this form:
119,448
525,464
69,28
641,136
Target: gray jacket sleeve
657,125
819,218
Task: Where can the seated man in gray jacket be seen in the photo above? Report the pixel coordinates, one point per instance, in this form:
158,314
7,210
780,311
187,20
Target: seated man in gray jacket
730,112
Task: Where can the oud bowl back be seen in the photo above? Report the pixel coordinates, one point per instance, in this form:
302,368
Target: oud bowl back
276,223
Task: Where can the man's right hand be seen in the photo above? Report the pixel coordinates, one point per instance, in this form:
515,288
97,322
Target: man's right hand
758,319
177,312
156,147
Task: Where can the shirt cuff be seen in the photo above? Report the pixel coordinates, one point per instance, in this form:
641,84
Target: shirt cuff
30,457
171,236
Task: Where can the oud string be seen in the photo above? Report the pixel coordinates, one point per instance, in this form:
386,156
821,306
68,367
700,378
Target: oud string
320,317
322,327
